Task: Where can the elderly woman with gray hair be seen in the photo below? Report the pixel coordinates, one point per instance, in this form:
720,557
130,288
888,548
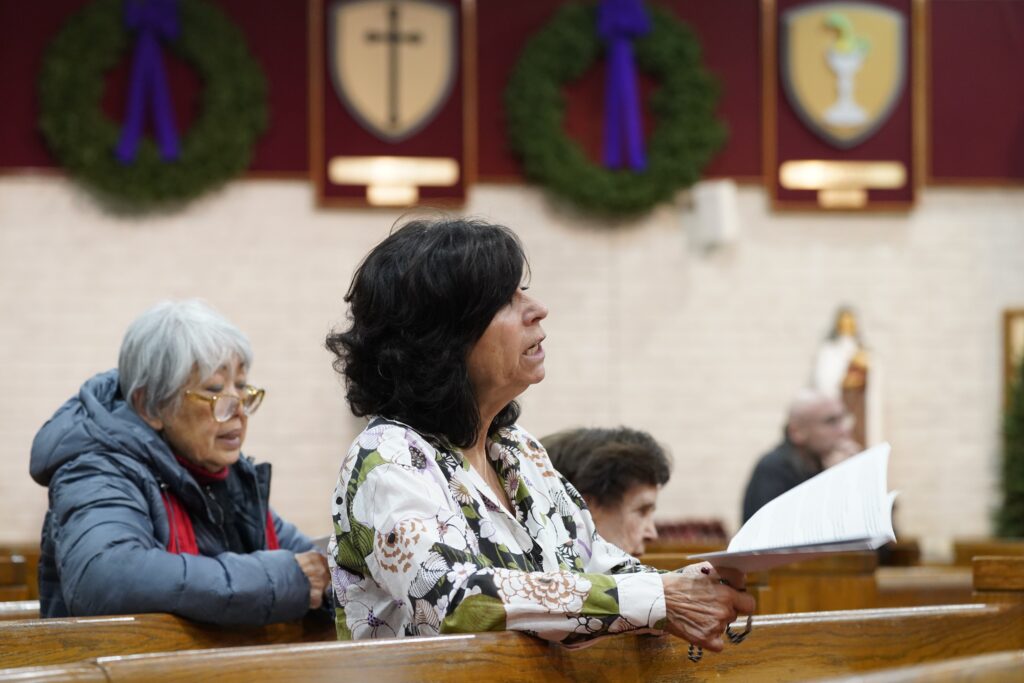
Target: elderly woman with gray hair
152,507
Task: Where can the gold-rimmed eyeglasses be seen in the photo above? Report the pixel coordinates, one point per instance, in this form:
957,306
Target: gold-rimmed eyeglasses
224,406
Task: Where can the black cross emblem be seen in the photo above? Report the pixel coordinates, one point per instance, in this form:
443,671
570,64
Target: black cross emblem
394,38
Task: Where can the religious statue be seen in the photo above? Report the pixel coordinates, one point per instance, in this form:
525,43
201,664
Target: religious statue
842,370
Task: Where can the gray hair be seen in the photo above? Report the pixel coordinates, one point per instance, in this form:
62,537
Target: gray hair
164,345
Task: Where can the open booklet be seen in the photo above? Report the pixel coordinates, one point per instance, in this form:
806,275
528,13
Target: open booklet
846,507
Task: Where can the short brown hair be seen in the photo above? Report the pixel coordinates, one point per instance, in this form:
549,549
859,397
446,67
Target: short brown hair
605,463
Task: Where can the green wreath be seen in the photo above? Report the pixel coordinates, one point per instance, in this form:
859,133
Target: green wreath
685,138
219,143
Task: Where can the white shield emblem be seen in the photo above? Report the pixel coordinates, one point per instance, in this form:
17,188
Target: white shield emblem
392,62
843,67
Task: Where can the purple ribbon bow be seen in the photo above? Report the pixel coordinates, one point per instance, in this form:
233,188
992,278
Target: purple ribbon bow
154,20
618,23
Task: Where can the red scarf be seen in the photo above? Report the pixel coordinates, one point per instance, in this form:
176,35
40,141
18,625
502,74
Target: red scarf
182,539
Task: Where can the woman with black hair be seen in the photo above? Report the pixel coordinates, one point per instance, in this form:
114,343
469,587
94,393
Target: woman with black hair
449,517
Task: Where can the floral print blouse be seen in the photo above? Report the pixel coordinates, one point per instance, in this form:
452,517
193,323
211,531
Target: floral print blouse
421,546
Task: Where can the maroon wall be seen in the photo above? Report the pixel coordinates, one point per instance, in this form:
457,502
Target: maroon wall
976,101
730,38
274,30
976,75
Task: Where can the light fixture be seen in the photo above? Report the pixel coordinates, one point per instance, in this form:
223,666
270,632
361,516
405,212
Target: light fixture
393,181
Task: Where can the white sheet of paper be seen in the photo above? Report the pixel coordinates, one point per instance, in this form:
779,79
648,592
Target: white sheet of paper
846,507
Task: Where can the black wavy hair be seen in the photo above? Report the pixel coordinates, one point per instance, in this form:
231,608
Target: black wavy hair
419,301
603,464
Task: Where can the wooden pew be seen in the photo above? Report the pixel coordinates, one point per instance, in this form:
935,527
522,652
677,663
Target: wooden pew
847,581
837,582
13,578
998,667
925,585
57,641
966,549
687,547
69,640
19,609
30,553
902,553
79,672
789,647
999,579
666,561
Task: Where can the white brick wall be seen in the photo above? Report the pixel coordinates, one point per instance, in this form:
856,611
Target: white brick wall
702,349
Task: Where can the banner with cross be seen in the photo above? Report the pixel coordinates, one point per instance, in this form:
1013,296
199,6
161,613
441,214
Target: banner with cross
387,107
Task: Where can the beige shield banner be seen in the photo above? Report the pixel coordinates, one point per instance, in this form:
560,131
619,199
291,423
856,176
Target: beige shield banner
843,67
392,62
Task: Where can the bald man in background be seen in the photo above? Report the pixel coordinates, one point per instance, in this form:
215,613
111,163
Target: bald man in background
816,436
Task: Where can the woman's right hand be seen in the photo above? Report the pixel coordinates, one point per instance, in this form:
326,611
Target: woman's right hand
314,566
698,606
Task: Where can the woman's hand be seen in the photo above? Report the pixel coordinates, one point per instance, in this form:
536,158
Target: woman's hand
314,566
698,606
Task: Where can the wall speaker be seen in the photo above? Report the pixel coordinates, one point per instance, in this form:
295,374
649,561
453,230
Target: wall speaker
715,220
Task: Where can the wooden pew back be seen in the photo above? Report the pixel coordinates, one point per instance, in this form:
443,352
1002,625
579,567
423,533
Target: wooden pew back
36,642
838,582
19,609
667,561
903,553
686,547
56,641
998,579
781,648
848,581
30,555
966,549
79,672
13,578
998,667
925,585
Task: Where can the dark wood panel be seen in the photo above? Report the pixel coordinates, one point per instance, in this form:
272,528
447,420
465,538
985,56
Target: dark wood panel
781,648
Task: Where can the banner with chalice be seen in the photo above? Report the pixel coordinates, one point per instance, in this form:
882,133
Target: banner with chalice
841,103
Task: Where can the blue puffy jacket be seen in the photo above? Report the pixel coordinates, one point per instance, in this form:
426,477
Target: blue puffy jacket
105,533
